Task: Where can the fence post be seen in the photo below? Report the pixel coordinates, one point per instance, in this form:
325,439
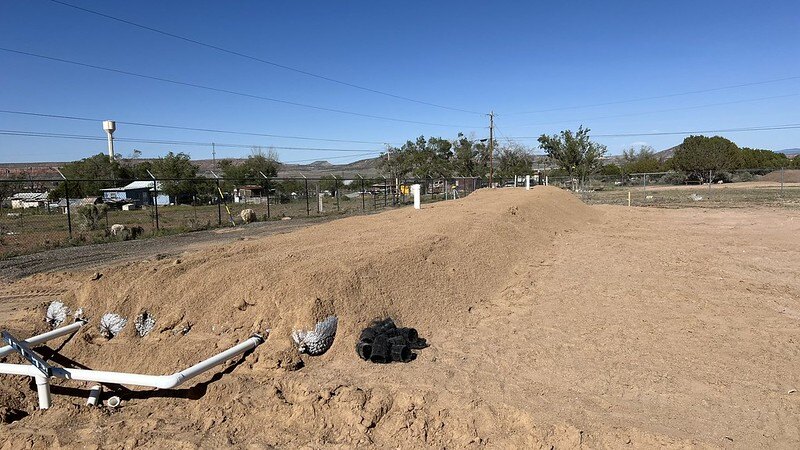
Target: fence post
155,196
336,192
709,183
267,188
781,181
219,204
66,194
385,198
308,205
363,205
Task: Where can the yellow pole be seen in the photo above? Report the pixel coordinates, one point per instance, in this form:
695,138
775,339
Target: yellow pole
629,198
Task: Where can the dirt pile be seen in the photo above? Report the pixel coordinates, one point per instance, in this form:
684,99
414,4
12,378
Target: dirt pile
425,268
428,269
789,176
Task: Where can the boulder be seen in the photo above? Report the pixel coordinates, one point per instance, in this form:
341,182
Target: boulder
248,215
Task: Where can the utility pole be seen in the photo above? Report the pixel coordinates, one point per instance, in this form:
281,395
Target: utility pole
214,156
491,149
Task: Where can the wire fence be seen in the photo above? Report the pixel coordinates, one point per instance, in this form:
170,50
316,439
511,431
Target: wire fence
39,214
737,188
42,214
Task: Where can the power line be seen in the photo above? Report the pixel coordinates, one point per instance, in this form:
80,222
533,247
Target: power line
23,133
656,97
176,127
792,126
264,61
683,108
227,91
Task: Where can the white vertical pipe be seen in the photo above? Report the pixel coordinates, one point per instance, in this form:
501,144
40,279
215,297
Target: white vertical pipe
415,189
527,182
43,389
94,395
546,180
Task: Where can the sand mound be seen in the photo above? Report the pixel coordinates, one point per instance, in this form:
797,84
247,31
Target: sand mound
789,176
426,269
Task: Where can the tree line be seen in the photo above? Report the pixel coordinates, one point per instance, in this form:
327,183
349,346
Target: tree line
569,153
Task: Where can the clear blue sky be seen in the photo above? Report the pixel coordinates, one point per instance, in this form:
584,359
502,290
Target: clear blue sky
480,56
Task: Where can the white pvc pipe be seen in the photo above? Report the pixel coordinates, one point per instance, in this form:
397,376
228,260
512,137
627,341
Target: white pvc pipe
44,337
43,389
415,190
97,376
527,182
94,395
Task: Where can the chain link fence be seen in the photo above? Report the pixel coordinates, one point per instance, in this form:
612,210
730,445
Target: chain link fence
737,188
37,215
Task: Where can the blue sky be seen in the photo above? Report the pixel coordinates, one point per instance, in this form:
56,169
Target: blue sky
504,56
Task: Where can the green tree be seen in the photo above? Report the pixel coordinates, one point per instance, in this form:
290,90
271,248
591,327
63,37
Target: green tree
176,174
470,157
422,158
750,158
641,160
94,173
513,159
249,170
700,156
575,153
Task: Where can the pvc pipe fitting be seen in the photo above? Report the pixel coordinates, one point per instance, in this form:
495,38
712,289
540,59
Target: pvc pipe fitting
94,395
113,402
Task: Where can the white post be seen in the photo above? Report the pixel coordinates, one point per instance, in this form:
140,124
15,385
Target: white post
415,192
527,182
319,200
546,180
43,388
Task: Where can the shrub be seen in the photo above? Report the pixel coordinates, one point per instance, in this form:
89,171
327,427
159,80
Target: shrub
673,177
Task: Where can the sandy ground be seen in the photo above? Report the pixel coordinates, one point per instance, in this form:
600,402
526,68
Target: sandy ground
551,323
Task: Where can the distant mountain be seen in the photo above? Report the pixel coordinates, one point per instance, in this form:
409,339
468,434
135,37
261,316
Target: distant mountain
790,151
664,155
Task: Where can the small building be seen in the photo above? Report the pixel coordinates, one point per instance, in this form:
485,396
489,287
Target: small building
248,193
137,192
25,200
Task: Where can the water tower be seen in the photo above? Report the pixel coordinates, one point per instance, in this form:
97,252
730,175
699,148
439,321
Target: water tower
109,126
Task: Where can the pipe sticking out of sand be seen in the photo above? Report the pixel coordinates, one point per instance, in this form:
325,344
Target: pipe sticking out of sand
44,337
156,381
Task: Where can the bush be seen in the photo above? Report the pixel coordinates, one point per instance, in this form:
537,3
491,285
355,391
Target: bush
90,216
740,177
673,177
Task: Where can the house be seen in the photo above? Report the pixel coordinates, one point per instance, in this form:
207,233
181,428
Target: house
137,192
25,200
75,203
247,193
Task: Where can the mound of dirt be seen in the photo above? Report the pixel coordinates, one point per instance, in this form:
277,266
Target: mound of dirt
428,269
789,176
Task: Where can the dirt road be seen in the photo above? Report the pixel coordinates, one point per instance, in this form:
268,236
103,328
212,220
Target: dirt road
551,323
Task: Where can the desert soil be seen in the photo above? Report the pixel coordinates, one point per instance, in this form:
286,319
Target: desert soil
551,324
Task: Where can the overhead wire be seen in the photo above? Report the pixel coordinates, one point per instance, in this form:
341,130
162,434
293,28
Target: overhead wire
231,92
683,108
793,126
656,97
261,60
24,133
187,128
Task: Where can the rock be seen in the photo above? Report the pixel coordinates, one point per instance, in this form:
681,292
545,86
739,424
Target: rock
286,218
248,215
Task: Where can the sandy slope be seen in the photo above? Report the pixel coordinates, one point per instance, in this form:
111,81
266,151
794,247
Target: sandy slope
551,323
